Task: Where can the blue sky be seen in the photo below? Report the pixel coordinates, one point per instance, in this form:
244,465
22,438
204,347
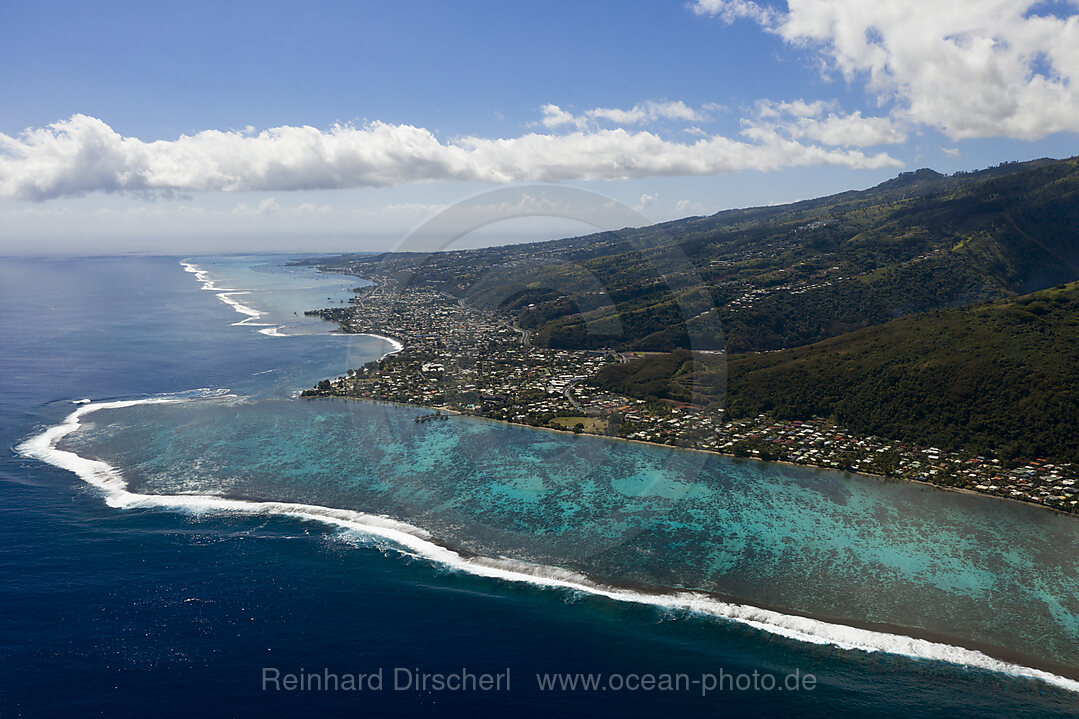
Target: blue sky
150,127
474,67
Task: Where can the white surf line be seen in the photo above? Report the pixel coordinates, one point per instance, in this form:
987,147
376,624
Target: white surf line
203,276
225,294
397,344
251,312
271,331
412,539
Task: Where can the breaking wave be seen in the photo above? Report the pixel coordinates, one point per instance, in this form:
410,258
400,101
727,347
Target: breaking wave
418,542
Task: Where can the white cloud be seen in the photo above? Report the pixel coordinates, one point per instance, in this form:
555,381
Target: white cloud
267,206
647,112
851,130
731,10
644,202
310,208
801,119
641,113
83,154
797,108
970,68
689,206
555,116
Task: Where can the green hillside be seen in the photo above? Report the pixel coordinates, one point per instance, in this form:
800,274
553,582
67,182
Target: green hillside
999,377
778,276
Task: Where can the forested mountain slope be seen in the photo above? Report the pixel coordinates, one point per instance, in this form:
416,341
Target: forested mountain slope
775,277
999,377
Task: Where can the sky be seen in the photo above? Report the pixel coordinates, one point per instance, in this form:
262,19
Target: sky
153,127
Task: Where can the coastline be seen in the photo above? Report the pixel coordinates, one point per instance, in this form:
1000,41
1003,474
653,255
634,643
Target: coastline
818,467
225,295
397,344
252,315
944,487
1023,498
849,635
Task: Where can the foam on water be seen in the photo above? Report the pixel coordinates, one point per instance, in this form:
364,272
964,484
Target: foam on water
397,344
418,542
204,277
251,312
274,331
225,294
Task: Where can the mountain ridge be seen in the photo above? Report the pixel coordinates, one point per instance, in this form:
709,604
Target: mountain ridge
766,278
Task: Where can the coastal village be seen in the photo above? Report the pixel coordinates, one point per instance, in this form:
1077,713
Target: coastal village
460,359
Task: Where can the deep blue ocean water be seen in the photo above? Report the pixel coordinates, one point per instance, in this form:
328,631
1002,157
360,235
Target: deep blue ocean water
168,611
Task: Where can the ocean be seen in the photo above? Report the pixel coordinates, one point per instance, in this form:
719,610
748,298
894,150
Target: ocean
180,531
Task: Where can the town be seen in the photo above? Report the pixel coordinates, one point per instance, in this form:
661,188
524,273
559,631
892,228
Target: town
458,358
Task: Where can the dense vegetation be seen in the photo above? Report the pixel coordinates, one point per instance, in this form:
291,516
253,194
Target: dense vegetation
769,278
999,378
817,286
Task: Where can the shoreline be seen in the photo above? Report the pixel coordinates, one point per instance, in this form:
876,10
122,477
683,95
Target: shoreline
400,345
817,467
252,315
849,635
397,344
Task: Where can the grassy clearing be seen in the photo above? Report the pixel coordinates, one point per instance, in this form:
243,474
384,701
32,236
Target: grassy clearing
596,425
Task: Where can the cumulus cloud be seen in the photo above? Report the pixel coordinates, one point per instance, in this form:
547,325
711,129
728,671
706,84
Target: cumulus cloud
970,68
689,206
851,130
795,108
267,206
645,201
555,116
647,112
731,10
83,154
641,113
801,119
310,208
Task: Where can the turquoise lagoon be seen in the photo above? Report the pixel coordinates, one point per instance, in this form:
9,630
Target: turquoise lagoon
853,563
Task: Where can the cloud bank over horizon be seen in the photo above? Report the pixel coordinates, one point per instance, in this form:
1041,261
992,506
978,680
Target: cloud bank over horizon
83,154
911,74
